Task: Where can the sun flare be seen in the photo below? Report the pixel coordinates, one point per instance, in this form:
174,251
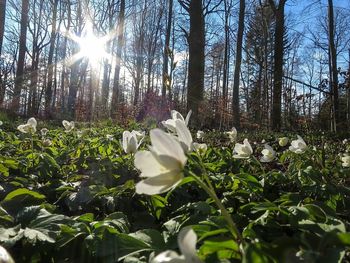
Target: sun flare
93,48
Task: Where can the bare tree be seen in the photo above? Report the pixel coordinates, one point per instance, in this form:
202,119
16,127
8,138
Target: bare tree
21,56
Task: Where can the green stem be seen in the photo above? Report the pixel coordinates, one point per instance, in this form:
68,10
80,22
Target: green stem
32,146
231,225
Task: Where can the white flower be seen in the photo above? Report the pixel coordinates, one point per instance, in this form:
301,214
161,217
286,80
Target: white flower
243,151
186,240
263,141
268,154
283,141
346,161
47,142
109,137
29,127
162,165
5,256
139,134
1,123
184,135
345,141
175,115
232,134
201,148
68,125
130,143
200,135
44,131
298,146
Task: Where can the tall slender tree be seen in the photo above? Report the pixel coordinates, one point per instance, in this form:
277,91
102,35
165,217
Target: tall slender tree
166,77
2,22
21,56
120,42
196,45
239,44
333,69
278,9
48,94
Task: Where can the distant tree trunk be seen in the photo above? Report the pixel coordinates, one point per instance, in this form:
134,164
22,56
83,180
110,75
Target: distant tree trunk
48,94
21,56
226,52
166,76
2,22
278,65
74,76
120,42
333,65
235,97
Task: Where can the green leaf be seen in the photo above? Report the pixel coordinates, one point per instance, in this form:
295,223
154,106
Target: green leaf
21,193
33,236
151,237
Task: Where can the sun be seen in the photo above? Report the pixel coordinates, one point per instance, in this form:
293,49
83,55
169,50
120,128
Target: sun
93,48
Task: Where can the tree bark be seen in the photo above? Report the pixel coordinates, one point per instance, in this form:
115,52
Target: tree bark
2,22
235,97
166,76
196,42
116,87
333,65
278,63
21,56
48,94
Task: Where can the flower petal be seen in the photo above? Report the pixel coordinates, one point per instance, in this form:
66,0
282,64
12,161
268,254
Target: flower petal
184,134
165,144
148,164
187,240
159,184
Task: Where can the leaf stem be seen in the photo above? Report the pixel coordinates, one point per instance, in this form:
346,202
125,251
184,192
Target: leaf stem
210,191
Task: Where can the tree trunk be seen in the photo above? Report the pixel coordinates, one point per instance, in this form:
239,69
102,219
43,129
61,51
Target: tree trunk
333,65
48,94
166,76
120,42
196,42
2,22
21,56
278,65
235,97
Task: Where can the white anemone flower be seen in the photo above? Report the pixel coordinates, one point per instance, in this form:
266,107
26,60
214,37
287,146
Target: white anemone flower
243,151
268,154
186,240
346,161
44,131
232,135
130,142
184,136
139,134
200,135
298,145
1,123
175,115
68,125
47,142
201,148
162,165
283,141
29,127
